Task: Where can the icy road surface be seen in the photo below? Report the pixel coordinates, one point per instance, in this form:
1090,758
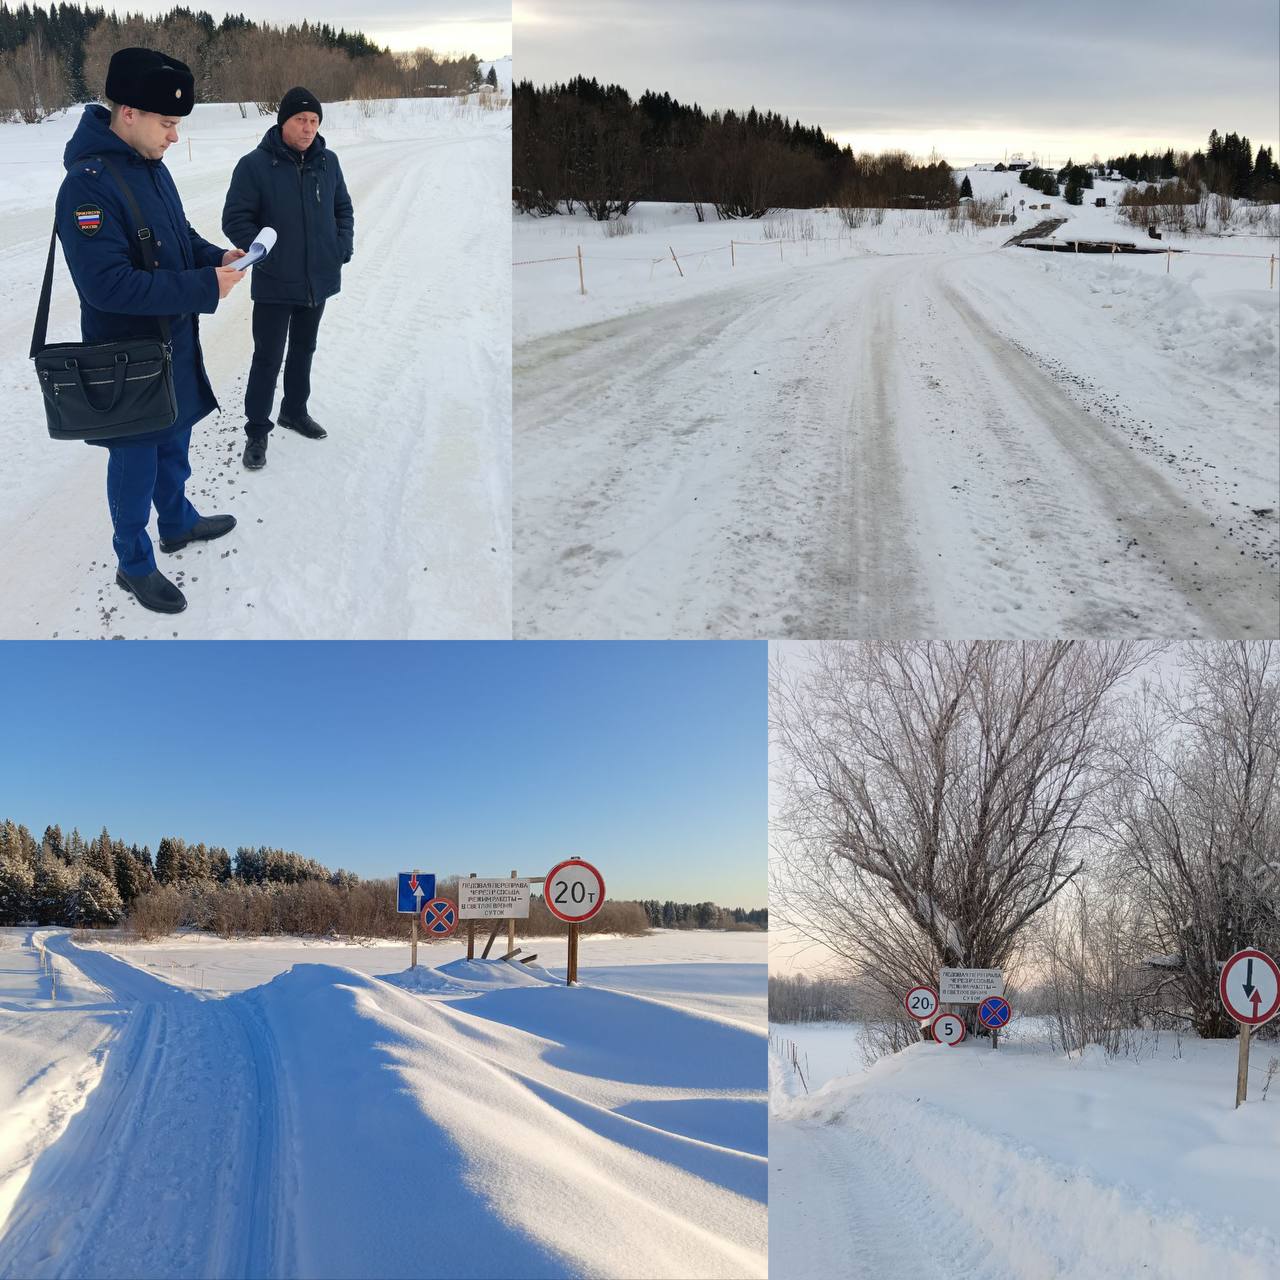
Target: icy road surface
945,440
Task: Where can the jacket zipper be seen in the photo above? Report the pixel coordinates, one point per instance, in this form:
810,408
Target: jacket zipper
306,252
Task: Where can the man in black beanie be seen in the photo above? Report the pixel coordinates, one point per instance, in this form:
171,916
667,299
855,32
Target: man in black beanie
293,183
114,148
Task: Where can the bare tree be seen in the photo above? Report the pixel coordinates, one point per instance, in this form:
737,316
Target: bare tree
936,797
1199,825
33,84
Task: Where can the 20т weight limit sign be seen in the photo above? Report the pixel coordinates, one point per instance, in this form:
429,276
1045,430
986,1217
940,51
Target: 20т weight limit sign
574,891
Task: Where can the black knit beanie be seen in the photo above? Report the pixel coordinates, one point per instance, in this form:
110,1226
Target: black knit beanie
150,81
298,100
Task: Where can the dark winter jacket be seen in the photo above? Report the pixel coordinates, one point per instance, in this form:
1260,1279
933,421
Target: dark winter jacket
118,296
302,195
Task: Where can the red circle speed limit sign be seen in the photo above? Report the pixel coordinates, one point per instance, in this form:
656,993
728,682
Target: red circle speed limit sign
948,1029
574,891
922,1003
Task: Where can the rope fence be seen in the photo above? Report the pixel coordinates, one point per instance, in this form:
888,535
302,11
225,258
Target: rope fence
699,255
734,246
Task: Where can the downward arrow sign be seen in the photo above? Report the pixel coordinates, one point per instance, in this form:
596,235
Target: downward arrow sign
1248,981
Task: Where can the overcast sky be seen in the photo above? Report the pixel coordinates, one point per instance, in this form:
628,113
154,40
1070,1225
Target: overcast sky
973,80
482,27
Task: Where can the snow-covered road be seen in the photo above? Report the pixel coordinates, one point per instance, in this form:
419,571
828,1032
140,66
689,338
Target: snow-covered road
293,1128
924,444
397,525
178,1138
1019,1164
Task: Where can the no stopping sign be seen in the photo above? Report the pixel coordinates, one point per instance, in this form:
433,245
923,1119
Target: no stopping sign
574,891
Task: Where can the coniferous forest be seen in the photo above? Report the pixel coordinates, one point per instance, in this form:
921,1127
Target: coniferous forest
64,879
584,145
591,145
55,57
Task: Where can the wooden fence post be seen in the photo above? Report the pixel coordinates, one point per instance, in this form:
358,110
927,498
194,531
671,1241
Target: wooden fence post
582,280
733,257
676,260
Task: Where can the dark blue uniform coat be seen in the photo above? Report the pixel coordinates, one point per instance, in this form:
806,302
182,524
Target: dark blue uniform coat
303,196
120,299
117,297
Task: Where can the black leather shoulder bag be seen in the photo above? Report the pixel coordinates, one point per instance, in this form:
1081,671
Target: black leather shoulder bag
105,390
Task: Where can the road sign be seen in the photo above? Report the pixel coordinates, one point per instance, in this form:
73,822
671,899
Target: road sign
414,888
493,899
969,986
994,1012
574,890
440,917
948,1029
922,1003
1250,987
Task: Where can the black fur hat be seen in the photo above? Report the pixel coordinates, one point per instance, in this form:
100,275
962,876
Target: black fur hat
151,81
298,100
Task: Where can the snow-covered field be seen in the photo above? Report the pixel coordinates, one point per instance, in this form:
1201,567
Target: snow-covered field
1021,1164
315,1109
892,431
397,525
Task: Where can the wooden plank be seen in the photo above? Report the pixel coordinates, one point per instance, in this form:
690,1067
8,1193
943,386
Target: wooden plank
488,946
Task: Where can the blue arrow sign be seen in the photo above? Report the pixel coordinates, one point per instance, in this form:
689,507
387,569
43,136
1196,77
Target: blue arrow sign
994,1012
415,888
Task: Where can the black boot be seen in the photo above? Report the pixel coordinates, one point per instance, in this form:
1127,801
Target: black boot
255,453
204,530
304,425
153,591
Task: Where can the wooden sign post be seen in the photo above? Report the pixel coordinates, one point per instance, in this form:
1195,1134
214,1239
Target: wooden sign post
413,946
1249,987
491,899
471,930
574,892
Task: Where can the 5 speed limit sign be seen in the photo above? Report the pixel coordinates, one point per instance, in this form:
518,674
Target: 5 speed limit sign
922,1003
574,891
948,1029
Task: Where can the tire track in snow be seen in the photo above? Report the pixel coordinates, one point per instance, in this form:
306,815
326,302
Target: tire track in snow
172,1167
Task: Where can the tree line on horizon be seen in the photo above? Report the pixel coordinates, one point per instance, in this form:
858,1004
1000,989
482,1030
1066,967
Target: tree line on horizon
585,144
69,881
53,58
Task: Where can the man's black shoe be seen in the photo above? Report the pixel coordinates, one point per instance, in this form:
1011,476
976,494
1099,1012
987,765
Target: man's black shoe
204,530
153,591
255,453
306,425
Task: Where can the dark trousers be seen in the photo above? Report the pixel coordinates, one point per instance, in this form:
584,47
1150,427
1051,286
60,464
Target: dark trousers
139,475
273,323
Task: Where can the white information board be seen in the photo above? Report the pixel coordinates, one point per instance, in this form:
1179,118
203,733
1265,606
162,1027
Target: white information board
969,986
493,899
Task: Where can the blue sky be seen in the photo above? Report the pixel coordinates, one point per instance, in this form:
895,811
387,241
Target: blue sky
648,759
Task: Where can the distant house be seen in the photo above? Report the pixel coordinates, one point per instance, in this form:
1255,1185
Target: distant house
1100,202
1017,163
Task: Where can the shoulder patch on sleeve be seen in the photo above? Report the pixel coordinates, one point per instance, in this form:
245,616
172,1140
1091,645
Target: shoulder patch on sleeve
88,219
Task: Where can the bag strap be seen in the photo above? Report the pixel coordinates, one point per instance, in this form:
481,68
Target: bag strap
146,243
41,331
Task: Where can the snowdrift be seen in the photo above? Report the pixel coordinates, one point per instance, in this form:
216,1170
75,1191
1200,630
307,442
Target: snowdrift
1033,1165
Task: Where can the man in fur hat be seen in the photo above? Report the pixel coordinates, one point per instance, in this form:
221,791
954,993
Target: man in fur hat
147,94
